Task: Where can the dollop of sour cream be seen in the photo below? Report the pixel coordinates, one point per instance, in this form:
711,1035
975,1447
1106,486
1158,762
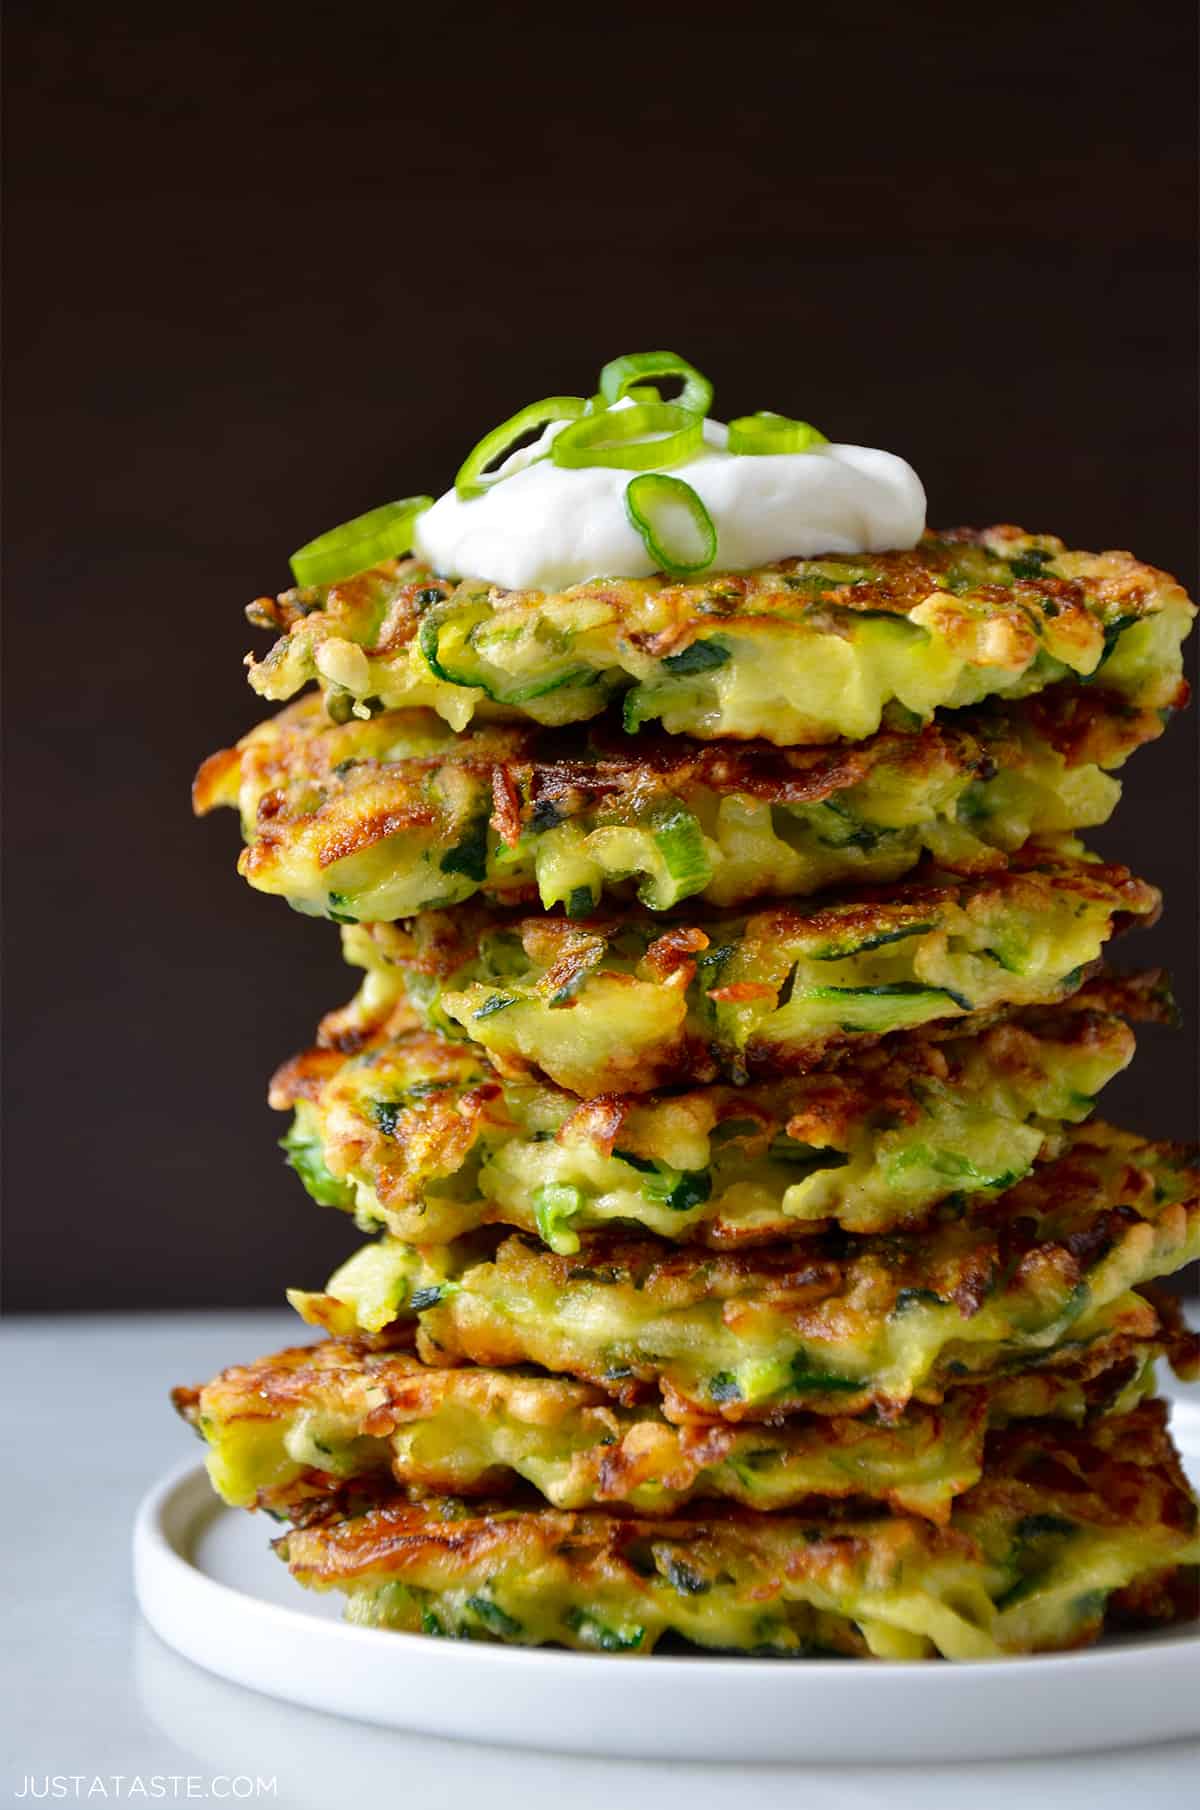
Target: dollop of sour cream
545,526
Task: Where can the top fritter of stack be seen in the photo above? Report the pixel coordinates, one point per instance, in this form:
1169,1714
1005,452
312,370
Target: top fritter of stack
783,589
797,652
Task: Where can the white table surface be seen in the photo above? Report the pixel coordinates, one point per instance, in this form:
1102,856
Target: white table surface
87,1693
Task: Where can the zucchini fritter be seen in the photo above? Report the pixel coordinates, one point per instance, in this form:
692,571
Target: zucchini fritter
629,1004
419,1136
384,818
293,1429
831,1324
1060,1523
800,651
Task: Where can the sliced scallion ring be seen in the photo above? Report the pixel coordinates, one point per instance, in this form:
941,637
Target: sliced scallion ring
677,529
686,867
649,435
624,375
640,392
768,432
379,534
473,476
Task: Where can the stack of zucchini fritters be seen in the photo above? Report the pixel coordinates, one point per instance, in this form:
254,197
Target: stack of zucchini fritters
746,1262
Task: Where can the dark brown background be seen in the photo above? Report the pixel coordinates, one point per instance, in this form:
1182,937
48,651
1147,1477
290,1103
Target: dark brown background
272,268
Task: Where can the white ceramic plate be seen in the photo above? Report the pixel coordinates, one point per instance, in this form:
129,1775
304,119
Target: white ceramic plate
209,1586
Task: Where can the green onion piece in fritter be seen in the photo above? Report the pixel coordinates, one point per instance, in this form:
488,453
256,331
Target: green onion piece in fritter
620,378
649,436
680,841
556,1204
767,432
379,534
473,477
677,529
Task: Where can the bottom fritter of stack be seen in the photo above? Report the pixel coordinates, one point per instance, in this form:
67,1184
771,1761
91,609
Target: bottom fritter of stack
1025,1514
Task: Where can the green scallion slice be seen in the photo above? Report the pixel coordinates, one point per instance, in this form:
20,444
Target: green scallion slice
473,476
379,534
648,436
620,378
767,432
555,1205
641,392
685,865
677,529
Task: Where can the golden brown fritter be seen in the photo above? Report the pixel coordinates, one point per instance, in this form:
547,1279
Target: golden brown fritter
303,1426
797,652
1061,1522
626,1004
830,1325
418,1135
378,819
